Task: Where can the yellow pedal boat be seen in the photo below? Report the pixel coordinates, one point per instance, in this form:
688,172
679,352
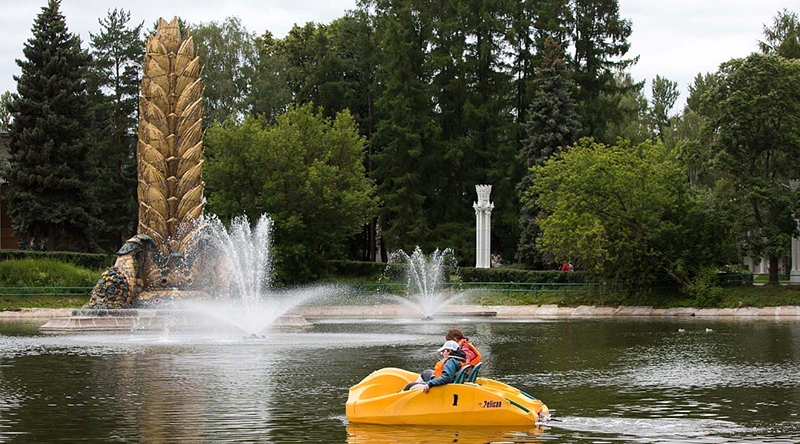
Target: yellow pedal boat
379,399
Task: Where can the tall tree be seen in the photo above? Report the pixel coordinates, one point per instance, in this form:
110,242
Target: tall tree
228,55
306,171
5,113
269,92
626,212
117,51
600,37
405,135
554,123
48,194
757,130
664,94
783,37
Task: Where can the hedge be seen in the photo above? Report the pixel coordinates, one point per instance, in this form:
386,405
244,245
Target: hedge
86,260
504,274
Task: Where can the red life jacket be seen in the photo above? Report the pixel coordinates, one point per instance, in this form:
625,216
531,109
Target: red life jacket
473,356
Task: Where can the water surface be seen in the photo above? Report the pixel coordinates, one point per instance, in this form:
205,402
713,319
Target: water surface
605,381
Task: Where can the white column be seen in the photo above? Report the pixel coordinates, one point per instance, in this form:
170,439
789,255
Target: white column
794,275
483,226
487,237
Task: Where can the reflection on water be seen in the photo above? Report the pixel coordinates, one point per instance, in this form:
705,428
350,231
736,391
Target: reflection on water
605,381
380,434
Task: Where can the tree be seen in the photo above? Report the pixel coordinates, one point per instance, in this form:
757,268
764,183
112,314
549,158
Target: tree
406,135
5,113
600,37
632,114
49,196
783,37
756,125
270,95
665,93
553,124
627,212
305,171
117,52
228,55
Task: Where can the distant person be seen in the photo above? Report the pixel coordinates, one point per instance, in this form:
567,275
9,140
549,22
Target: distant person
571,267
565,266
444,372
472,353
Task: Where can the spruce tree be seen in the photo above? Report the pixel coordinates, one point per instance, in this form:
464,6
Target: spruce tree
554,123
406,134
5,113
117,52
49,176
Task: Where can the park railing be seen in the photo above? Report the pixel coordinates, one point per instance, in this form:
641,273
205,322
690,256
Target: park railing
725,280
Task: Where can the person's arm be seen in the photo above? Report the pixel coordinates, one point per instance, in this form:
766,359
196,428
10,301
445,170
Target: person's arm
448,374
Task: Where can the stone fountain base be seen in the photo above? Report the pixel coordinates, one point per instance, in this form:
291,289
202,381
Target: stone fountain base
125,320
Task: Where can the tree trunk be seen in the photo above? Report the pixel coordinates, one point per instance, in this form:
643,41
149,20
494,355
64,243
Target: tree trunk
52,241
773,270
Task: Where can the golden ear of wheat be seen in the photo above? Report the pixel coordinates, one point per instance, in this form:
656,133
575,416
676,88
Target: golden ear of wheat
170,149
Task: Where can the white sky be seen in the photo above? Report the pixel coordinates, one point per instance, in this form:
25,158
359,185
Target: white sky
674,38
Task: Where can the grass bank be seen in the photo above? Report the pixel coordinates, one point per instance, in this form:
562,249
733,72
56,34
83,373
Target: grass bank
735,296
44,283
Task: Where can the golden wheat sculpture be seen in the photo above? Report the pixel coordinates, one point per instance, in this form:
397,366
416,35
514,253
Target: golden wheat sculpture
170,148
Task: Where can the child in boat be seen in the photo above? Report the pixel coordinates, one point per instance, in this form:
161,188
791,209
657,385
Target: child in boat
444,372
473,356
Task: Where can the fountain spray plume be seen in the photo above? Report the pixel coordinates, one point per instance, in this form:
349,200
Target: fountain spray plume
425,278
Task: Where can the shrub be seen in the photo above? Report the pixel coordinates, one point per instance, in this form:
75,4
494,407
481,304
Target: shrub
45,273
705,289
504,274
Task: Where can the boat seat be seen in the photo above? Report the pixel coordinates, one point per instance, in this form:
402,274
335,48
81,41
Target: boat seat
473,373
461,376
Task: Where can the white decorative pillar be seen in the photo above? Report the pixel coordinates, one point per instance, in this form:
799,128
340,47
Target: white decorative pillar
483,226
794,275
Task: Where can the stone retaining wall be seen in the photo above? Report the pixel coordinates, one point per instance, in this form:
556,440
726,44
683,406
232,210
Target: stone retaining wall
502,312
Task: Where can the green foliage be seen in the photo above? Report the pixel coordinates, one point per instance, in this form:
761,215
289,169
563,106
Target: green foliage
705,290
228,55
505,274
629,111
117,51
407,165
367,271
601,43
756,130
5,113
305,171
553,124
45,273
49,200
92,261
627,212
665,93
783,37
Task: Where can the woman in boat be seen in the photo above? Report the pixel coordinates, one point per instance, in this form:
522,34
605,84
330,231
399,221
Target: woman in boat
473,355
444,372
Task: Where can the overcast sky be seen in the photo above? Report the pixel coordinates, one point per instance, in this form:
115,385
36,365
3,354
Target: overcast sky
674,38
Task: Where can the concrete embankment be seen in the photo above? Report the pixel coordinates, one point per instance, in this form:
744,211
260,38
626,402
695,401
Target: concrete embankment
547,311
497,311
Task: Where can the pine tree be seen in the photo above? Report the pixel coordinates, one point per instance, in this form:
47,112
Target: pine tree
117,52
554,124
49,178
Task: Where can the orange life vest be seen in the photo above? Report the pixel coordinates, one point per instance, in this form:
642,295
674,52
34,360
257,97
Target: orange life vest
470,349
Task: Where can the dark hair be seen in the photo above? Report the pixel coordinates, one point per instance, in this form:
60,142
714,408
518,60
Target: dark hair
454,334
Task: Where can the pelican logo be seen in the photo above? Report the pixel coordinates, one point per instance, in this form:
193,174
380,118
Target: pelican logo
492,404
